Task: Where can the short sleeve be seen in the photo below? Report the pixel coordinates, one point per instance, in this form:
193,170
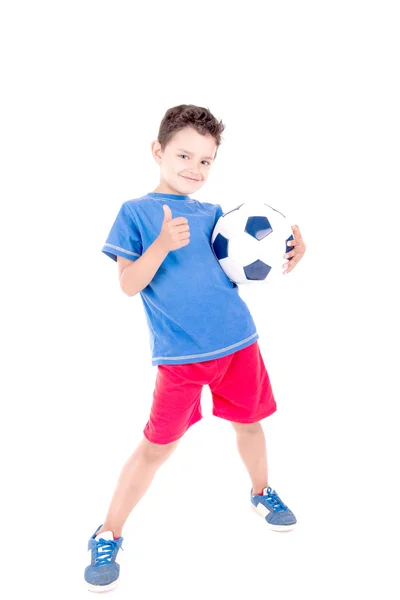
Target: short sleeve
124,238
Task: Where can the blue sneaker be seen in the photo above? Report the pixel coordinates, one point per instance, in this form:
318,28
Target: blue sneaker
277,515
103,572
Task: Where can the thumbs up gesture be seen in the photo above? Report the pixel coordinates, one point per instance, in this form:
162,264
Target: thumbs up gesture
174,233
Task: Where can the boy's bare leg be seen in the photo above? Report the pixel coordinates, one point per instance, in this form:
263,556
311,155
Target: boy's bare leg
251,444
135,479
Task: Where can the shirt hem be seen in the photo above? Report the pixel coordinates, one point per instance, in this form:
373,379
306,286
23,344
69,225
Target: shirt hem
194,358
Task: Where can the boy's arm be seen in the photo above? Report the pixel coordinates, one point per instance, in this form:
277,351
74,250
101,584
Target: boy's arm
134,276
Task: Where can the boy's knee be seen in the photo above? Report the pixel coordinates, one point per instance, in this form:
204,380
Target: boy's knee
246,427
157,452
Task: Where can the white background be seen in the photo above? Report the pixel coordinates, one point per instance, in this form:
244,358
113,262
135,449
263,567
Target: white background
309,93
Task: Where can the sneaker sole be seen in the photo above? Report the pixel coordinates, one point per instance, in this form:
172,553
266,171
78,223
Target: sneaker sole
102,588
261,513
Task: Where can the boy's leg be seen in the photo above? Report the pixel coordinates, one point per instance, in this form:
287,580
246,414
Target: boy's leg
251,444
136,476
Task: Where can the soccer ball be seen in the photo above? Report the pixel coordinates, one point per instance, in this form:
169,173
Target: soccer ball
249,243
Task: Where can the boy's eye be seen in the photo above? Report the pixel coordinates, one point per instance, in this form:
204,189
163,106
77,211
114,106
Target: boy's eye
188,157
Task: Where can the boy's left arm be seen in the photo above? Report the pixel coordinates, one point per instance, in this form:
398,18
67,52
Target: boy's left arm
297,252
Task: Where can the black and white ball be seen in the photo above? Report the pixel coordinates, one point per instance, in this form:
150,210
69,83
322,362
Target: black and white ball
250,242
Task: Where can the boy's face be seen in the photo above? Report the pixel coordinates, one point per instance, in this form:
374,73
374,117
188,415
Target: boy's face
185,162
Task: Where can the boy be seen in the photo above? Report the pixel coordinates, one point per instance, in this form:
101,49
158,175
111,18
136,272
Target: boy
204,335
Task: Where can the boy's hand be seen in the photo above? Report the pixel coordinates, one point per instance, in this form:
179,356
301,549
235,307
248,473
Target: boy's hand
174,233
298,251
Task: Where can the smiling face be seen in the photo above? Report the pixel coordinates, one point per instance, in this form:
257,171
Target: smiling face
185,162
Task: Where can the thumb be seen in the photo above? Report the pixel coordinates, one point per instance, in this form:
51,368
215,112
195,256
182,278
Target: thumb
167,213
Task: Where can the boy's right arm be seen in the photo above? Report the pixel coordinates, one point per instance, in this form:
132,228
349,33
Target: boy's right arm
134,276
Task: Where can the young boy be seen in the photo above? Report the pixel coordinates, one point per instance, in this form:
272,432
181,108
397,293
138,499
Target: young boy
203,335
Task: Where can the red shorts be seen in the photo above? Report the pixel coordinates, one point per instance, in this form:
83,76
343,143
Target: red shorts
240,387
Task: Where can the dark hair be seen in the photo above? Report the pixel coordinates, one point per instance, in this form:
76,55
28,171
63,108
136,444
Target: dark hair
189,115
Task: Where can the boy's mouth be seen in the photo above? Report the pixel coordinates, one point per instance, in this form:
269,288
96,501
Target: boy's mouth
189,178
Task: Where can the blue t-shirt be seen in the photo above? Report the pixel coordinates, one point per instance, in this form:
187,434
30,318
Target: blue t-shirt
194,311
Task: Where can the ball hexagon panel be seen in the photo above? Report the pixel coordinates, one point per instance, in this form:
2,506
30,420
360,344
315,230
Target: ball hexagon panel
243,249
231,224
234,271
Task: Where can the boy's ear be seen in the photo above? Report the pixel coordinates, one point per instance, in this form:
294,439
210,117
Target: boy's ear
156,150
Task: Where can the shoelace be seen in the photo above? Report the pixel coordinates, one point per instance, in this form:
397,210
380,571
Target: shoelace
273,498
104,556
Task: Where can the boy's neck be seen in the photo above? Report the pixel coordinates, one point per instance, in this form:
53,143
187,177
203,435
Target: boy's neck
164,188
